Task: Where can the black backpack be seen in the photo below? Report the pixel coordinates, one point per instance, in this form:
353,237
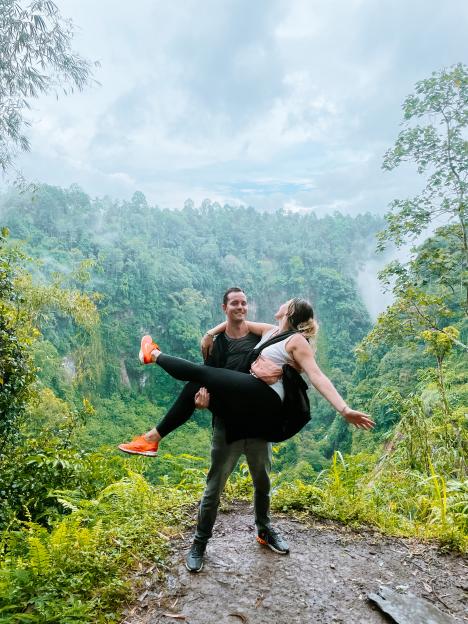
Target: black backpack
296,406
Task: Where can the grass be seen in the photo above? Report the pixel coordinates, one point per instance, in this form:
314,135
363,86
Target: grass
399,502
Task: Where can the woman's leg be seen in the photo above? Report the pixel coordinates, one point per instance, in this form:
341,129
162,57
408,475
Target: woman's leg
243,401
180,411
178,414
235,388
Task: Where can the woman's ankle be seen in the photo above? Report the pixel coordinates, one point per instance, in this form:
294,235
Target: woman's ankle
155,354
152,436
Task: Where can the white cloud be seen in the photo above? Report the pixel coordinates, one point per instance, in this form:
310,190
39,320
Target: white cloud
294,207
206,99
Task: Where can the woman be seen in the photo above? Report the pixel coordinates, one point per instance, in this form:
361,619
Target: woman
251,403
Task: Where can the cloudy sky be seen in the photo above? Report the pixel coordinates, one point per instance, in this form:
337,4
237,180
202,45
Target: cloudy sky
279,103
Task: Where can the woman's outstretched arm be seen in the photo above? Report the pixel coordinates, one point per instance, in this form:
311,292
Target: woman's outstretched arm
301,352
259,329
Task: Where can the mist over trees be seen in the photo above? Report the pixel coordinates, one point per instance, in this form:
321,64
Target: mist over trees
166,271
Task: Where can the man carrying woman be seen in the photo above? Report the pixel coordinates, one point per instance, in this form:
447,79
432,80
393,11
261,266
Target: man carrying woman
249,404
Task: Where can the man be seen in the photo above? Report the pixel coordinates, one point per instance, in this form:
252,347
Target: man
229,351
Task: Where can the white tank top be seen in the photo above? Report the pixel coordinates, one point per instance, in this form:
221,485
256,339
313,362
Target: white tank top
276,353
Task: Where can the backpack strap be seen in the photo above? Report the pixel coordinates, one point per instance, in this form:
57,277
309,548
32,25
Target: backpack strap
274,340
253,355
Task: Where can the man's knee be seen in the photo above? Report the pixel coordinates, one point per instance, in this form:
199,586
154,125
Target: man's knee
258,457
216,481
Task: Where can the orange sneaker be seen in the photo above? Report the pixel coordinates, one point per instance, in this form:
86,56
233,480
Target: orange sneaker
140,446
147,347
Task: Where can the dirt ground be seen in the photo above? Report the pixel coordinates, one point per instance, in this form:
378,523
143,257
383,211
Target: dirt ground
325,579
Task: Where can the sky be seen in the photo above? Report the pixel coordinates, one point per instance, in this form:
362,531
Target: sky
274,104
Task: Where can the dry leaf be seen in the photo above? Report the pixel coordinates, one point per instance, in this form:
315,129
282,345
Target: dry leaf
240,616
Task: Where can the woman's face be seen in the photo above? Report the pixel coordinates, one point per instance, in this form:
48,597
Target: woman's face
282,310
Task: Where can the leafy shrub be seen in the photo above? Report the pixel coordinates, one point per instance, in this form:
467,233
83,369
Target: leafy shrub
398,501
79,570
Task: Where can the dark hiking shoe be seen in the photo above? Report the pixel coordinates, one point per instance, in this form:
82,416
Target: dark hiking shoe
194,559
273,540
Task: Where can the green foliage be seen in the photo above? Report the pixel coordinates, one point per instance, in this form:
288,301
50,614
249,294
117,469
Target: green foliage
79,570
35,58
425,301
440,344
409,371
35,426
431,289
40,300
16,369
427,322
395,499
438,147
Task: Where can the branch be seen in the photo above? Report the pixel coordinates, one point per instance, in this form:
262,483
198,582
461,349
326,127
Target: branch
440,331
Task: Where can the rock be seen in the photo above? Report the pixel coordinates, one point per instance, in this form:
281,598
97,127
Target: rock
408,608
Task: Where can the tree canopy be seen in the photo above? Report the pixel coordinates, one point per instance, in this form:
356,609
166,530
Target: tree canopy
431,289
36,57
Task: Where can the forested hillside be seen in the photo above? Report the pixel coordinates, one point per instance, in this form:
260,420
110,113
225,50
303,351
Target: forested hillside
164,272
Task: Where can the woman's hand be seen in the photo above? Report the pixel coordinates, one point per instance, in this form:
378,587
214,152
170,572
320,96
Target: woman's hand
358,419
206,345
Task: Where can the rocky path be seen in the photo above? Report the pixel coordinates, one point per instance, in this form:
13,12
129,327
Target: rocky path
326,578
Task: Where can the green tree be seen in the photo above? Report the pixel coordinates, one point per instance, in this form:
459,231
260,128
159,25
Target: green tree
24,306
439,149
35,58
16,369
431,289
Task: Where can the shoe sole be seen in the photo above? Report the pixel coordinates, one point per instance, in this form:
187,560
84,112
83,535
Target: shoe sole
264,543
194,571
145,453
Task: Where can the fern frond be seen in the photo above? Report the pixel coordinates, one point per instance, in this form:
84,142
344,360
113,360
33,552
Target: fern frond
39,556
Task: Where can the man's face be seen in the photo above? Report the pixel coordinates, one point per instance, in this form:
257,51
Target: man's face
236,306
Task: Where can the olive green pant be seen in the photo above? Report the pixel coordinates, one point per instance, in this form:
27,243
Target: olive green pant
224,458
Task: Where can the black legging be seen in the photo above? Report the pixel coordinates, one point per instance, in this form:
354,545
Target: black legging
245,403
180,411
